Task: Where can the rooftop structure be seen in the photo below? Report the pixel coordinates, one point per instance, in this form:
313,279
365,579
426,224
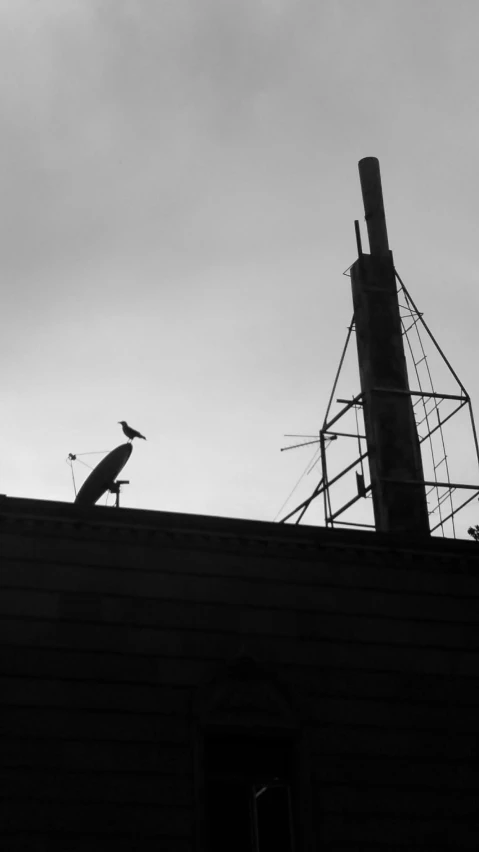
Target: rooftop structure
399,430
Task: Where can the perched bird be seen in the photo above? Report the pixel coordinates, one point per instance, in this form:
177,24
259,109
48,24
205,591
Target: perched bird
129,432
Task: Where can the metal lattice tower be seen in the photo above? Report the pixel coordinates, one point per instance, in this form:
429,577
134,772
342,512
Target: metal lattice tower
402,461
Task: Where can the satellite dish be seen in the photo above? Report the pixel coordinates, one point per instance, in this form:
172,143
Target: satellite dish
103,476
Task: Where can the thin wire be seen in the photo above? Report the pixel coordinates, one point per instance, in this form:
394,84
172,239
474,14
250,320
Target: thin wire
75,458
326,492
429,332
435,409
287,435
315,462
426,415
441,432
86,465
304,473
93,453
73,476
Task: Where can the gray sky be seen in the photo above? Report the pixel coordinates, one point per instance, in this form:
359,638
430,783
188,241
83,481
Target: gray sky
178,189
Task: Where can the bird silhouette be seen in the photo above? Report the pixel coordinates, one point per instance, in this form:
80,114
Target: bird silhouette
129,432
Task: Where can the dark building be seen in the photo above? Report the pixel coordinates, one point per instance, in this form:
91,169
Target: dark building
160,670
195,684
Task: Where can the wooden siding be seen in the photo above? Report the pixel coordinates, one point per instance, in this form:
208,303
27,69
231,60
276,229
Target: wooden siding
111,622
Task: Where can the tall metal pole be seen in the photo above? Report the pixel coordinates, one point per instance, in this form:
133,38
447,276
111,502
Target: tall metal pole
374,213
397,479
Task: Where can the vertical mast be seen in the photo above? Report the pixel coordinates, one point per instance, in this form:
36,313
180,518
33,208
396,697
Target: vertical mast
397,479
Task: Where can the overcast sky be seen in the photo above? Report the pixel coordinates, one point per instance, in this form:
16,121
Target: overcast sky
178,188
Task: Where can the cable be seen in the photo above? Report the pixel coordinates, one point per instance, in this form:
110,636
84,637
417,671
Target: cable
411,307
74,457
73,475
93,453
304,473
86,465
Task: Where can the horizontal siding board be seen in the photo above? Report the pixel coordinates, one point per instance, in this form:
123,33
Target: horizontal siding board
88,756
93,695
415,717
402,687
468,665
245,591
382,801
81,841
53,662
143,612
372,846
396,832
391,773
329,741
73,786
105,817
392,715
59,723
401,630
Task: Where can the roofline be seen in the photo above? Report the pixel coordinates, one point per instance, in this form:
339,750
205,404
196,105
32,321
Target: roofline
43,513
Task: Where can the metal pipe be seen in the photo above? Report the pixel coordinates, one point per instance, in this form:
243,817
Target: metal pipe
359,244
370,177
433,483
349,405
347,505
392,440
304,505
421,393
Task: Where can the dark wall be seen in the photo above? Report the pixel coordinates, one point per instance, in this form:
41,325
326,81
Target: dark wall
131,641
